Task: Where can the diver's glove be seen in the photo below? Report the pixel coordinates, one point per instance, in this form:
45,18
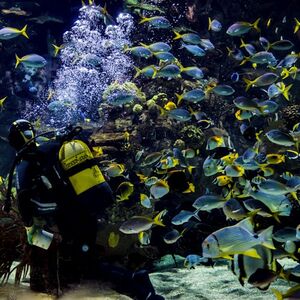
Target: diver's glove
38,237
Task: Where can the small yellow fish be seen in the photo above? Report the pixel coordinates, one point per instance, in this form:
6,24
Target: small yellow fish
113,240
170,105
97,151
190,189
222,180
230,158
2,102
274,159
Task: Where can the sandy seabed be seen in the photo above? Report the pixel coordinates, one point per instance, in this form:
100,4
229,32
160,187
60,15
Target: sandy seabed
201,283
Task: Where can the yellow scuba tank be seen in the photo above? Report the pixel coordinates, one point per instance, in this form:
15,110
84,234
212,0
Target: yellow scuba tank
79,165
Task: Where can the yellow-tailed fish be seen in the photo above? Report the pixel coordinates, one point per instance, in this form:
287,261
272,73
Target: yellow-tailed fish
239,28
31,60
173,236
138,224
7,33
184,216
2,102
113,239
124,191
237,239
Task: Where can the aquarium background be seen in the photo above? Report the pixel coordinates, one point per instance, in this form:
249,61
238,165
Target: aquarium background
134,104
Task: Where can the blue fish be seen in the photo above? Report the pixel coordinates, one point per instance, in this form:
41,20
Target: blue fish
214,25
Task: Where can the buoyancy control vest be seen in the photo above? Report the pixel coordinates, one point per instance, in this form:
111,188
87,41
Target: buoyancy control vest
79,166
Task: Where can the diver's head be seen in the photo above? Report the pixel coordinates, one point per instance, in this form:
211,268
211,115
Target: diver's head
21,131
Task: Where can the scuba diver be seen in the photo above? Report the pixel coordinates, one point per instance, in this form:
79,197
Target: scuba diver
62,196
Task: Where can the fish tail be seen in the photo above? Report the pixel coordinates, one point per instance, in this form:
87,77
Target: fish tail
177,35
179,98
143,20
244,61
285,73
196,214
266,238
138,72
56,49
209,23
23,31
242,44
248,83
294,195
104,9
255,25
82,3
297,26
157,220
144,45
277,293
18,60
286,92
91,2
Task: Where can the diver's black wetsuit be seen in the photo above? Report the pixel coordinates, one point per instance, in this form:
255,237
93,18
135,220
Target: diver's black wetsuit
76,218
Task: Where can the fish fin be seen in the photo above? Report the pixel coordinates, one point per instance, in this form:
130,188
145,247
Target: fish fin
144,45
294,195
179,99
246,224
227,257
252,253
18,60
248,83
82,3
144,20
297,26
276,218
138,72
23,31
242,44
286,92
157,220
277,293
255,25
177,35
209,23
266,238
285,73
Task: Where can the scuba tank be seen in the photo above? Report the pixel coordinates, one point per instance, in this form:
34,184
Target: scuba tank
79,166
